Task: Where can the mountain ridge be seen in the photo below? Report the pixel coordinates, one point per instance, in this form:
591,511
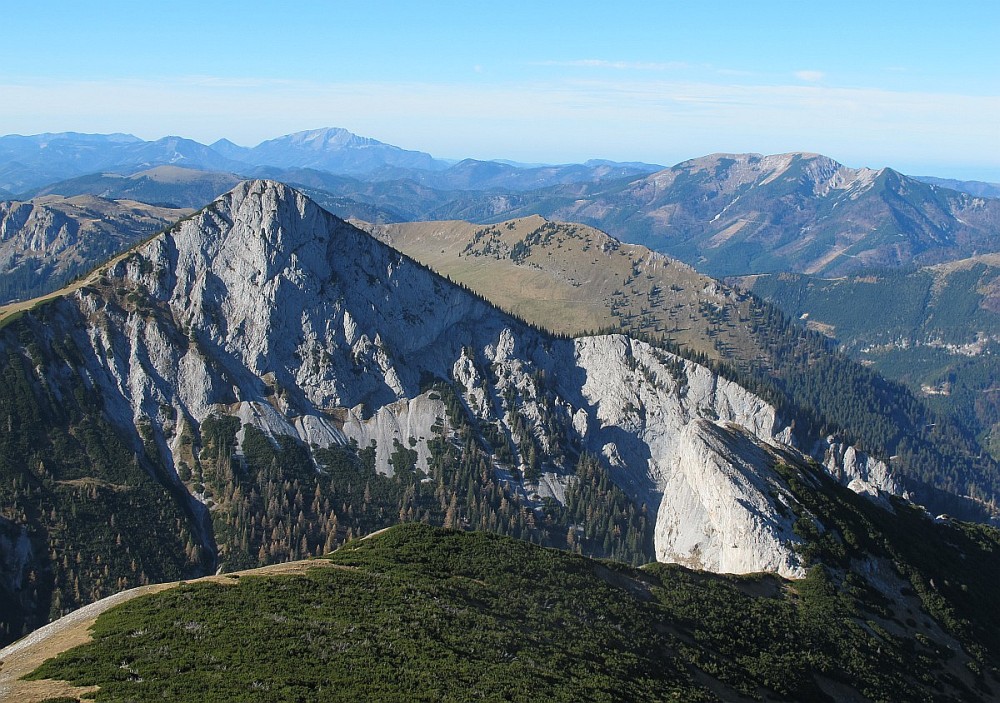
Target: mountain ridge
397,610
742,214
333,149
46,241
262,338
725,214
32,163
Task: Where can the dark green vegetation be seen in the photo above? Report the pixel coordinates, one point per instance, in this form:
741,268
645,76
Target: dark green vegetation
419,613
89,510
933,330
80,518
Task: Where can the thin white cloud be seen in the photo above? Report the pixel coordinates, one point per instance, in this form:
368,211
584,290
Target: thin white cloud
810,76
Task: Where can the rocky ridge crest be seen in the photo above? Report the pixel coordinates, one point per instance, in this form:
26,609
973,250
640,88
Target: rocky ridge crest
266,307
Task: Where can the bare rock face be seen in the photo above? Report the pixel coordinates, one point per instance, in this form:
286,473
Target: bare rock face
860,472
725,509
708,449
266,307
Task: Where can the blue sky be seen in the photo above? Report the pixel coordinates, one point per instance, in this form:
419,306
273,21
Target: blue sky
913,85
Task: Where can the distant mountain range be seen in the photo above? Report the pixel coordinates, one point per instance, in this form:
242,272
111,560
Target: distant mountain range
33,161
980,188
725,214
735,214
334,149
30,162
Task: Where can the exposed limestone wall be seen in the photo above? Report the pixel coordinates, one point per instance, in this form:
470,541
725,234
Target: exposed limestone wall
266,307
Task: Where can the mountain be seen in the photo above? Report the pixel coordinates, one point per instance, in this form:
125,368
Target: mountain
229,149
738,214
936,328
391,201
894,607
28,161
31,162
978,188
48,240
350,209
29,165
337,151
574,279
176,151
475,175
175,186
263,381
332,149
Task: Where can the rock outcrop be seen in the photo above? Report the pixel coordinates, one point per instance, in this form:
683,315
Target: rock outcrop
266,307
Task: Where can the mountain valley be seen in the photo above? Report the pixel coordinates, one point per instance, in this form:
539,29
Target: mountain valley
205,376
252,381
935,329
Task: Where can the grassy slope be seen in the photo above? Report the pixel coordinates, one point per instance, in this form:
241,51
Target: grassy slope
572,278
419,613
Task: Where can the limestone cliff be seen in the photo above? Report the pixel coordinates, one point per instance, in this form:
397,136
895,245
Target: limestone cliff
266,307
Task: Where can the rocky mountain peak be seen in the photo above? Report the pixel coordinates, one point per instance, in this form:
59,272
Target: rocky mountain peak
331,137
318,140
266,309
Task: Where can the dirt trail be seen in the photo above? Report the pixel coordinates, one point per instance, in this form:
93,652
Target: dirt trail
22,305
27,654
